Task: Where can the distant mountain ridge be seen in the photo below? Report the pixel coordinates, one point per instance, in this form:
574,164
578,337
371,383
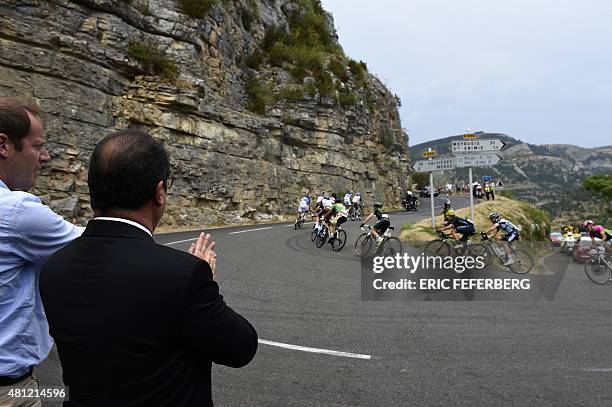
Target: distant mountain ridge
548,175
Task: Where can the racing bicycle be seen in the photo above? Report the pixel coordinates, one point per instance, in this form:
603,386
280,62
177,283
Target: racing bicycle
445,246
388,247
355,212
338,238
598,268
523,261
300,222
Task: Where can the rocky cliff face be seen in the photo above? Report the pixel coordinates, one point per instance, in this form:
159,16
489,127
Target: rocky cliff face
99,65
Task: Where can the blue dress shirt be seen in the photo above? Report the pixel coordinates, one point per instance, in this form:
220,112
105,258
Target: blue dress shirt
30,232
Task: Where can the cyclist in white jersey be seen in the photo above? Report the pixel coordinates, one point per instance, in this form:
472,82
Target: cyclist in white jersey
356,200
304,207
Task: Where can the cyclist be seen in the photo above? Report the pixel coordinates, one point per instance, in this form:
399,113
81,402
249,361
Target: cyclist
356,200
318,210
458,225
445,208
598,231
338,216
326,207
303,208
512,234
347,200
381,226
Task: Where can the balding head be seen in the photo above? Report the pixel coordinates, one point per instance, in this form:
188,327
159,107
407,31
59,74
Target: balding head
125,169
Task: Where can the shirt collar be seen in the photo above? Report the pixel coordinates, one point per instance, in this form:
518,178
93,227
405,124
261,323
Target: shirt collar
129,222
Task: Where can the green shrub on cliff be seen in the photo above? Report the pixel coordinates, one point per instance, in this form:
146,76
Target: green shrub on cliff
386,138
196,8
249,14
258,95
307,48
291,92
153,60
347,99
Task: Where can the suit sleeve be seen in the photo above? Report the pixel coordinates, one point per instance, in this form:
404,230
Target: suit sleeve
212,328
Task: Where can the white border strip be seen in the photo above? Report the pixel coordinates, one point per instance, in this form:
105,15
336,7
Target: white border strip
315,350
249,230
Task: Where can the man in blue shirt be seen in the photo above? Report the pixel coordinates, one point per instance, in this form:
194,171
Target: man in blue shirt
30,233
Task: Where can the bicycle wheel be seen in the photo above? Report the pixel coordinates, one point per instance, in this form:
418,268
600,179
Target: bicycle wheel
358,213
313,234
597,271
300,223
477,250
523,262
352,213
489,255
363,245
321,237
339,241
390,246
438,247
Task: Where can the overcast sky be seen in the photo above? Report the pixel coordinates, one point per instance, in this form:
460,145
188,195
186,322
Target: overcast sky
537,70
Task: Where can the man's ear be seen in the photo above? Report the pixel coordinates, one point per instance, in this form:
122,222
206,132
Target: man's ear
160,194
4,141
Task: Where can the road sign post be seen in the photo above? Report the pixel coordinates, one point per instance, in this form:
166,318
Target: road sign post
477,160
471,152
431,200
471,195
431,165
469,146
437,164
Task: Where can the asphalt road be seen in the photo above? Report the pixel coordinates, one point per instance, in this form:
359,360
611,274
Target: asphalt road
549,353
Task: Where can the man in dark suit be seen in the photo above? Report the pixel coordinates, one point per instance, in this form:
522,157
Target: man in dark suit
137,323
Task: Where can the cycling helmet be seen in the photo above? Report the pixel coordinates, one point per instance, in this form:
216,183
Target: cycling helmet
377,205
409,192
587,223
494,216
358,193
384,216
450,212
447,204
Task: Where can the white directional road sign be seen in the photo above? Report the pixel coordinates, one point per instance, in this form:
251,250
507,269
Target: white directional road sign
468,146
477,160
439,164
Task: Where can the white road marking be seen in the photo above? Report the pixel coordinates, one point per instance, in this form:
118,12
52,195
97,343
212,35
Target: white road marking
181,241
249,230
315,350
599,369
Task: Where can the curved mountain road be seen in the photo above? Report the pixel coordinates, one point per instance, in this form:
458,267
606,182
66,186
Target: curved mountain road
321,345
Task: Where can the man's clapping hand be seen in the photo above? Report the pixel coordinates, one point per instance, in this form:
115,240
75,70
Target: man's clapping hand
203,249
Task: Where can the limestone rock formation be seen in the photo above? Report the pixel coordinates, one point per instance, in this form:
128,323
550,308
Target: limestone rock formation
85,62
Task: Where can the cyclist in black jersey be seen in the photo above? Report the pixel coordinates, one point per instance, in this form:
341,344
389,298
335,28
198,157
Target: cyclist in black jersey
383,222
458,225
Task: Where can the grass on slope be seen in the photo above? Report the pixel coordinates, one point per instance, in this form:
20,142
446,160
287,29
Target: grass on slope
534,223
